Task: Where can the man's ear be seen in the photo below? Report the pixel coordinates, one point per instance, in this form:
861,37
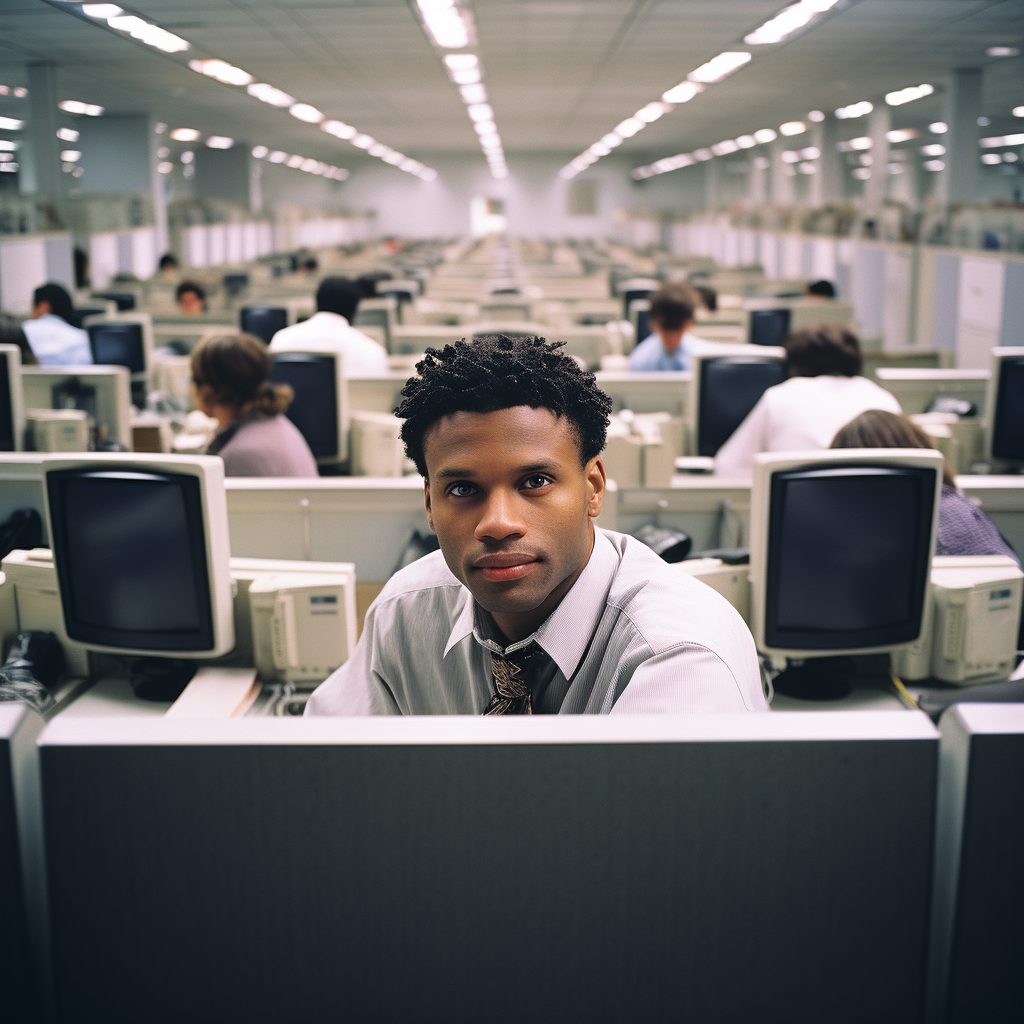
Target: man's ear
426,505
597,480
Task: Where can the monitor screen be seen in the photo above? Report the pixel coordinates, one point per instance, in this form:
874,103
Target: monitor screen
629,296
7,425
116,344
81,312
769,326
729,388
1008,417
263,321
130,552
314,411
643,324
848,556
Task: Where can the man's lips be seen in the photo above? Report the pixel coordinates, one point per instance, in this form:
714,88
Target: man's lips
505,566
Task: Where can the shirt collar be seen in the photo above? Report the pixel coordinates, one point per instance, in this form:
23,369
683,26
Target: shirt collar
566,632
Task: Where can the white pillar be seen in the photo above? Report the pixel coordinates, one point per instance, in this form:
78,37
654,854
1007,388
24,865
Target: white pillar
958,183
757,179
44,176
712,188
875,188
158,192
782,174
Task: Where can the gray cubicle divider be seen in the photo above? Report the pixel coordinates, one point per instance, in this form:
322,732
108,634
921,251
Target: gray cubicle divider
577,868
914,388
21,485
664,391
1001,498
21,869
376,394
978,902
714,512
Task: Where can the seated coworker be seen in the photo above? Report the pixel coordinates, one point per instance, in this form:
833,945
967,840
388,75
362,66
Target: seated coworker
527,608
821,290
191,298
230,374
824,391
963,528
52,338
670,344
11,333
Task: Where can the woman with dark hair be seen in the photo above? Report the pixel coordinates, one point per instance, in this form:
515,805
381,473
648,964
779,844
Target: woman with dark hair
963,528
230,373
824,391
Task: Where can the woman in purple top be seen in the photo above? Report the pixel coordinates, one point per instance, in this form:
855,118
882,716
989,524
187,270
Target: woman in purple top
963,528
230,373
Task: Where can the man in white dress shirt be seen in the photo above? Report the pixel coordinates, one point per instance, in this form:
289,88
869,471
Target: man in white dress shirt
527,608
671,343
824,392
330,330
52,338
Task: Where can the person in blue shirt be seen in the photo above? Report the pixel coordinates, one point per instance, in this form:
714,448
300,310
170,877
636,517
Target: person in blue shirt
53,339
670,346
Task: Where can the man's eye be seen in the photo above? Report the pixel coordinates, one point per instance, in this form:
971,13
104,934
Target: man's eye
461,490
537,480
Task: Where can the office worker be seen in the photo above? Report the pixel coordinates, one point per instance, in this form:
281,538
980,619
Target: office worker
671,342
527,608
191,298
824,391
52,338
823,289
963,528
11,333
230,374
330,330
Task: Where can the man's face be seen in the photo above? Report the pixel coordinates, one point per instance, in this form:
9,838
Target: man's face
671,339
511,505
190,303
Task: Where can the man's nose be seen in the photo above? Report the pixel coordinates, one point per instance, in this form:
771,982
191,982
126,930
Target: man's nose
500,517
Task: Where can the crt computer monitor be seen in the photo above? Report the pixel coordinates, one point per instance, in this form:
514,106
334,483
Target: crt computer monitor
841,544
1004,401
320,406
12,416
726,388
124,341
263,321
141,549
769,326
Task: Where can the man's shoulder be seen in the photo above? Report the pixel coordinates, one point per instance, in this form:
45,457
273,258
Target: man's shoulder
420,581
666,605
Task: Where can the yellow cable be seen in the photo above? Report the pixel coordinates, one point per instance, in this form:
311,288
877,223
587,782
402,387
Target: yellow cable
902,691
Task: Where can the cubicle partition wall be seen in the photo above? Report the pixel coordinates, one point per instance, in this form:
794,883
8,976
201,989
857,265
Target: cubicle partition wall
27,261
577,868
21,485
1001,498
978,902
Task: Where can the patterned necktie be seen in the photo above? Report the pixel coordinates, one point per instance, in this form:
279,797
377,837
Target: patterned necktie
511,692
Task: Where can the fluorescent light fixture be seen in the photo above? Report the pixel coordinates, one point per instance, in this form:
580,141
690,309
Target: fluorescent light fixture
294,161
862,173
305,112
763,135
378,149
762,163
151,35
484,127
790,156
652,111
268,94
1010,158
806,168
983,122
908,95
991,158
480,112
9,168
445,23
1018,111
11,124
599,149
492,140
20,92
308,165
219,142
461,61
746,142
719,67
160,127
816,116
164,167
855,110
810,153
187,157
6,146
185,134
260,152
628,128
787,21
1002,51
724,148
362,141
70,156
473,93
278,156
103,11
427,174
703,154
682,93
222,71
934,165
855,145
902,134
468,77
1002,140
67,134
933,149
938,127
338,129
793,128
78,107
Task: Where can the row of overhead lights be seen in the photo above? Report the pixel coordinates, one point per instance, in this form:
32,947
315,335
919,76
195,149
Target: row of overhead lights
228,74
792,18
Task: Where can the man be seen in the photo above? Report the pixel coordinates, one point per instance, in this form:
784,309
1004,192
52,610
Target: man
670,345
49,331
527,608
330,330
821,291
168,269
191,298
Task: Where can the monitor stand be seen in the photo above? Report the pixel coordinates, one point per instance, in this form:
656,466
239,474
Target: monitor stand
816,678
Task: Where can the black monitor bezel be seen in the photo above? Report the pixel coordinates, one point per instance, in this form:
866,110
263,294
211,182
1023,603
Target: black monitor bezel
8,399
260,309
998,431
866,639
277,358
159,641
703,364
788,316
137,325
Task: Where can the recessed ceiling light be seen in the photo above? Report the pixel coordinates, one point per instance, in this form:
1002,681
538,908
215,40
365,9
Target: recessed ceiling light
816,116
185,134
1002,51
908,95
268,94
278,156
338,129
306,112
219,142
11,124
78,107
151,35
682,93
787,21
70,155
933,149
222,71
793,128
855,110
719,67
259,152
902,134
763,135
164,167
101,10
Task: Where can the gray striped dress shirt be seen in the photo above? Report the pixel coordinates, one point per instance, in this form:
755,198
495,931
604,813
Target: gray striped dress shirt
633,635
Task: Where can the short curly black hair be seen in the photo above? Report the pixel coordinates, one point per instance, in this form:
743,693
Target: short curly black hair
498,372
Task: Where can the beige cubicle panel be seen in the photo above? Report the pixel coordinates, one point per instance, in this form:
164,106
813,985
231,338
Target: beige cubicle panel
1001,498
915,387
376,394
663,391
111,384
